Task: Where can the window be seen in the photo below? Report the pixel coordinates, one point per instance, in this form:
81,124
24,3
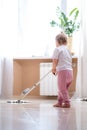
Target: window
26,24
36,36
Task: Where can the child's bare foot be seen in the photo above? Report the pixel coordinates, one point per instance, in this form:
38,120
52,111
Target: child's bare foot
66,105
57,105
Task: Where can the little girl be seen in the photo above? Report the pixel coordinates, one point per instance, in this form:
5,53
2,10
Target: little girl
62,65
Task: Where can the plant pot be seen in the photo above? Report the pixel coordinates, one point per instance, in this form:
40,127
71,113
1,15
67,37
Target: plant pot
69,45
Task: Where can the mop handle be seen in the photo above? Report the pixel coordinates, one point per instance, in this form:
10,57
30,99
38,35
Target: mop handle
36,84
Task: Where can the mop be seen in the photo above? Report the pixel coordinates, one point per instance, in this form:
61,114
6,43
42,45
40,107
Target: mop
26,91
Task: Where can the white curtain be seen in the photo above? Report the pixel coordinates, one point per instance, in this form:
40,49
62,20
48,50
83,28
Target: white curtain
6,74
82,61
24,31
1,73
8,39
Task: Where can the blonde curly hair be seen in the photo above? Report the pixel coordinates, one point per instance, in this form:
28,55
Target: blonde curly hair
61,38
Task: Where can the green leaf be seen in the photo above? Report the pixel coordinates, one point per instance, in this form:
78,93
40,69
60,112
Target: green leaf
61,21
58,10
76,15
72,11
53,23
64,17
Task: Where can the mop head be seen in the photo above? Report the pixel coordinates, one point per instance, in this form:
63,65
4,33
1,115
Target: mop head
12,101
26,91
22,96
17,101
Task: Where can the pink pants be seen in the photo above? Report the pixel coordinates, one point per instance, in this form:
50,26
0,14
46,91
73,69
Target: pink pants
65,78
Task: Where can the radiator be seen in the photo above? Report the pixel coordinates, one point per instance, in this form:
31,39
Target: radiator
48,86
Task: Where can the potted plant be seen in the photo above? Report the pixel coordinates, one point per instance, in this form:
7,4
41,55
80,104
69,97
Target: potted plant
68,24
